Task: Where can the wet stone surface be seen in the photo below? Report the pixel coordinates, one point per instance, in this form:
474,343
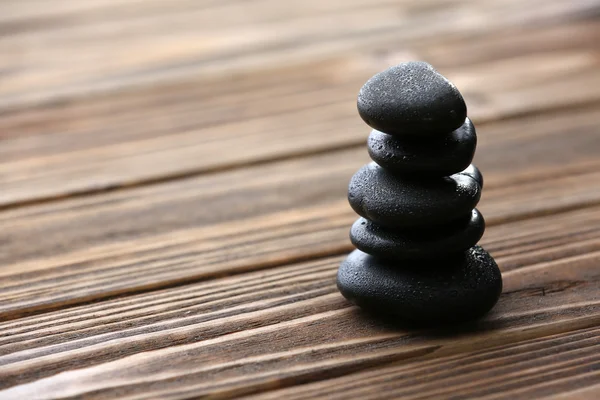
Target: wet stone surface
411,99
404,202
416,256
458,288
426,242
437,156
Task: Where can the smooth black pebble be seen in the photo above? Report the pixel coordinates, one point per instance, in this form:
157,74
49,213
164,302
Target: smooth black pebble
403,202
474,173
411,98
435,156
461,288
425,243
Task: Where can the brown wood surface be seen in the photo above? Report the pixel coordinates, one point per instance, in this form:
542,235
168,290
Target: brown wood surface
173,177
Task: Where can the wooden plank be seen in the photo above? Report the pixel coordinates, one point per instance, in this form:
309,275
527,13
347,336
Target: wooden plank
535,368
145,238
285,326
589,392
104,46
158,133
129,12
513,43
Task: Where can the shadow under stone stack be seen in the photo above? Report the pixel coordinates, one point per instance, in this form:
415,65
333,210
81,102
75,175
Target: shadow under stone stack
416,254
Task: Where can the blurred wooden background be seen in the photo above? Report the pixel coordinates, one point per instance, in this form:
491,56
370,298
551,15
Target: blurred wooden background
173,198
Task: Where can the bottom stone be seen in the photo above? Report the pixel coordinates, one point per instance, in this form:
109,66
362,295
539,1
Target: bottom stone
455,289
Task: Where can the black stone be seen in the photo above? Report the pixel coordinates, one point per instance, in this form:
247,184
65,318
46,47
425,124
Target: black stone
457,289
474,173
433,156
411,99
404,202
425,243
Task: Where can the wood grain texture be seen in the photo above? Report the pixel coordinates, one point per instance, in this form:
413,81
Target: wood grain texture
197,228
585,392
113,45
239,335
158,132
515,245
174,175
535,368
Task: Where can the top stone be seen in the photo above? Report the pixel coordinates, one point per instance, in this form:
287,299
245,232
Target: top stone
411,98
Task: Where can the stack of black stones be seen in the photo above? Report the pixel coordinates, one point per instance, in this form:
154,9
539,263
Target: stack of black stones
416,254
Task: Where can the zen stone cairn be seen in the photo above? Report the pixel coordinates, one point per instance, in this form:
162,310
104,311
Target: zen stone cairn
416,256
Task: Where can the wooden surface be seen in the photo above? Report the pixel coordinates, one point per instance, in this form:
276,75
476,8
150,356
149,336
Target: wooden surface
173,206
